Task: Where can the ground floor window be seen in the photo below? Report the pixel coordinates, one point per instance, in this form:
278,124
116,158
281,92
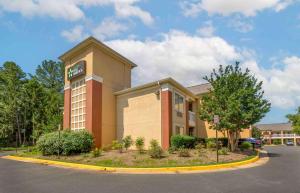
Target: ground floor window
179,130
78,104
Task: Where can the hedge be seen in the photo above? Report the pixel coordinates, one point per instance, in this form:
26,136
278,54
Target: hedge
183,141
70,142
204,141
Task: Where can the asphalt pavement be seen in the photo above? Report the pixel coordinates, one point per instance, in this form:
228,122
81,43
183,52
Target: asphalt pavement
280,175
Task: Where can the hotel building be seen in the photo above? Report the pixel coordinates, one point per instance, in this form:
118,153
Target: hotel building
98,97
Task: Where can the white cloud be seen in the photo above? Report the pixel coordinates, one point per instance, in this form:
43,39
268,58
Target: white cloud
55,8
127,10
108,28
207,30
186,58
228,7
281,84
72,9
75,34
241,25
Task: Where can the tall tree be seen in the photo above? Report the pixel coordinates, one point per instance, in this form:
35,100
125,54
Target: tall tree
237,97
295,120
34,107
11,81
51,74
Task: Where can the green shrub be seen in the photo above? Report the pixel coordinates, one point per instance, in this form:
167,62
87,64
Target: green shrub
223,151
222,141
116,145
211,145
140,144
97,152
245,145
183,152
127,141
155,151
171,150
200,149
68,143
185,141
276,141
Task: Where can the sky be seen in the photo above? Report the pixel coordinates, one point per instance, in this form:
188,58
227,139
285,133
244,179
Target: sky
183,39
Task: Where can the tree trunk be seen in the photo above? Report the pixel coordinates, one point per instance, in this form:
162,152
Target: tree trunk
232,138
19,131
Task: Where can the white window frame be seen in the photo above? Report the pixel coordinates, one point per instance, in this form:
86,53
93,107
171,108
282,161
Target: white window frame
78,104
183,106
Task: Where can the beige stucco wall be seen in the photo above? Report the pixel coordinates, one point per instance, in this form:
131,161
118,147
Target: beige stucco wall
84,54
205,132
139,115
116,76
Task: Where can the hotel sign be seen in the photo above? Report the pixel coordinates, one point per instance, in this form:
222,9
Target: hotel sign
77,70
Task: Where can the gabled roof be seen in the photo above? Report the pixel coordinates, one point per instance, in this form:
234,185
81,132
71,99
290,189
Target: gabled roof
275,127
200,89
158,82
91,40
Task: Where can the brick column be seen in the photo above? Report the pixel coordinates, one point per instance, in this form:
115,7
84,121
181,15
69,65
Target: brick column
67,108
166,117
94,108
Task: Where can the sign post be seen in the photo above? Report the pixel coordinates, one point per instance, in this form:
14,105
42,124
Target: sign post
216,122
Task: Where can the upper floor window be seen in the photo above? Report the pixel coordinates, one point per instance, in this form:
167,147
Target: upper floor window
179,104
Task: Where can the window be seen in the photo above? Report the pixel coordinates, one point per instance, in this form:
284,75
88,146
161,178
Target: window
179,104
178,130
78,104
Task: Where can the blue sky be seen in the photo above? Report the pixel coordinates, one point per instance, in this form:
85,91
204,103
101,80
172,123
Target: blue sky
182,39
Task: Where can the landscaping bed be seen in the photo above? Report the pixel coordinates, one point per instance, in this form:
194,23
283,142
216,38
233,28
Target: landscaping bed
132,158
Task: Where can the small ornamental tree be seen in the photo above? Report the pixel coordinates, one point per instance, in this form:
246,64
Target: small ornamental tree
256,133
237,97
295,120
127,141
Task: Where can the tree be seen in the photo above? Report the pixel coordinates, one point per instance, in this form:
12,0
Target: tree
51,74
35,102
237,97
12,79
256,133
295,120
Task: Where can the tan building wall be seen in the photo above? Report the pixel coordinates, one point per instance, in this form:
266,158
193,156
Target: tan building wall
85,54
116,76
139,115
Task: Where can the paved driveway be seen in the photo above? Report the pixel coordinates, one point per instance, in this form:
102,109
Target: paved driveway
281,174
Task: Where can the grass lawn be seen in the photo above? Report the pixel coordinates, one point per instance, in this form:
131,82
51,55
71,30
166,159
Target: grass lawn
14,148
132,158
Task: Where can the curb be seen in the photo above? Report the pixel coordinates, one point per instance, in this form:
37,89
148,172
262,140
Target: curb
182,169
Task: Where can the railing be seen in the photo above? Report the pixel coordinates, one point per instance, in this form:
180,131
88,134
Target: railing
192,119
284,135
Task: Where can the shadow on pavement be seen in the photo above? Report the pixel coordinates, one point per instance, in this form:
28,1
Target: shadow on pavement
274,155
